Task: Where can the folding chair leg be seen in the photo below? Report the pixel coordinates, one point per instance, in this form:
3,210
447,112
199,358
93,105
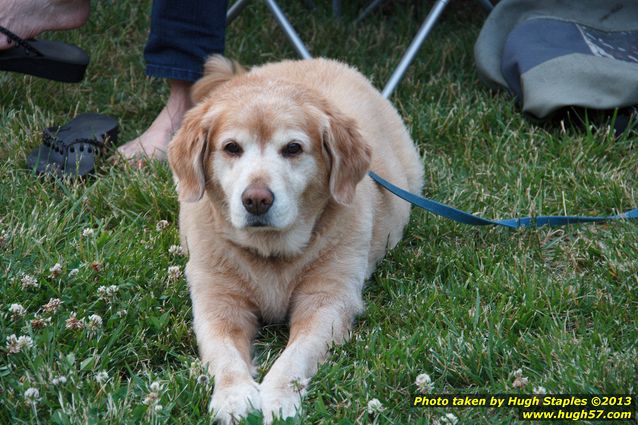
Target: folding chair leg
290,32
283,22
336,8
235,10
418,40
368,10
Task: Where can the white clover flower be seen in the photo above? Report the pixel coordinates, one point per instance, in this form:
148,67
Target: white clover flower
174,273
151,398
161,225
60,380
101,377
195,368
25,342
519,380
448,419
17,310
32,395
74,272
101,292
56,270
375,406
52,306
539,390
73,323
107,293
121,313
176,250
94,322
424,383
29,281
88,232
38,322
158,407
12,344
155,387
17,344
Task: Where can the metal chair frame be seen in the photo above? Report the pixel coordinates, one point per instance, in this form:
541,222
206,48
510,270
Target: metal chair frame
281,19
408,57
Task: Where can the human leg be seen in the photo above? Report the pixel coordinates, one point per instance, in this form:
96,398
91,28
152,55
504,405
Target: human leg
28,18
182,36
154,141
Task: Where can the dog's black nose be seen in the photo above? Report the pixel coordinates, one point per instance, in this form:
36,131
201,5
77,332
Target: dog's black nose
257,199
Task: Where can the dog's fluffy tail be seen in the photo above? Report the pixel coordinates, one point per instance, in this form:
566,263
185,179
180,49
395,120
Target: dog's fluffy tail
217,71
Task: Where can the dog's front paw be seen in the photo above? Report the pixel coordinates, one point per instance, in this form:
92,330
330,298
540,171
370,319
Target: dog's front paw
230,404
281,401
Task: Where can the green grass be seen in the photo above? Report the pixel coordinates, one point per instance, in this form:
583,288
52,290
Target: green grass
466,305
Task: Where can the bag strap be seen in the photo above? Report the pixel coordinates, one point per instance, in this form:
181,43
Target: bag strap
513,223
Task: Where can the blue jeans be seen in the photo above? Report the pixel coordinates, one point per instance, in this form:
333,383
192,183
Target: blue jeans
183,34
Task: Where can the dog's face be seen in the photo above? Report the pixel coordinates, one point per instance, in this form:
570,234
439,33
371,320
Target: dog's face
266,153
270,155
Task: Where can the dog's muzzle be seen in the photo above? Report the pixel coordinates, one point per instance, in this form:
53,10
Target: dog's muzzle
257,200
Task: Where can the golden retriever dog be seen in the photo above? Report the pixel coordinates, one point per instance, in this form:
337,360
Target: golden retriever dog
279,218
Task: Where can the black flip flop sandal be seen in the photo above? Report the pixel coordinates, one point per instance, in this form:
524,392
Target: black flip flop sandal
53,60
71,150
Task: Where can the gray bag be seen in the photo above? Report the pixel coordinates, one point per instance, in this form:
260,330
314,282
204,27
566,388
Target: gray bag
551,54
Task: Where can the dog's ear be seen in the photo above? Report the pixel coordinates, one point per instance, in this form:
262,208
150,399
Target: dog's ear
349,155
217,71
186,156
188,149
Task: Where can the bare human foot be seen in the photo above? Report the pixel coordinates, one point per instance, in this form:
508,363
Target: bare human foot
153,143
28,18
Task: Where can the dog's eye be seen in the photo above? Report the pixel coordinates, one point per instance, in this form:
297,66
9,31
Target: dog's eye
291,149
233,148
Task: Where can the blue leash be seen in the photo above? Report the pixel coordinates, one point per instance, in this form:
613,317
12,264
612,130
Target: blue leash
513,223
